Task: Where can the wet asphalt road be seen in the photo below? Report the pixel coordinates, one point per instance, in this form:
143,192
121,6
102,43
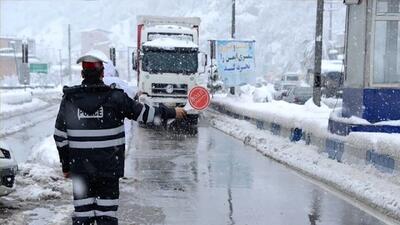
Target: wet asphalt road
214,179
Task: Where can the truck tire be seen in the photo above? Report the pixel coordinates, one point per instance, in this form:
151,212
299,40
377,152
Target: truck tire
192,119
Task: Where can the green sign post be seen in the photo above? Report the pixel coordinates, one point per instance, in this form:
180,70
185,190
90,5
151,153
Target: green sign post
38,68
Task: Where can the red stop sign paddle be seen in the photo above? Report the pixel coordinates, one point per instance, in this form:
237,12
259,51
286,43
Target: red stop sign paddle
199,98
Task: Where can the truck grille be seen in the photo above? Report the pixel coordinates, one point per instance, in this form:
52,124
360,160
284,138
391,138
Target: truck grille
169,89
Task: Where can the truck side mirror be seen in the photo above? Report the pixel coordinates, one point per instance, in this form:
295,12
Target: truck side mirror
134,65
205,60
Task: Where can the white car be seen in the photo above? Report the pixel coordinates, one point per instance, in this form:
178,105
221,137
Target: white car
287,81
8,170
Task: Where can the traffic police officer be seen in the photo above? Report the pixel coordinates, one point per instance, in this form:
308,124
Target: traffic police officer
90,138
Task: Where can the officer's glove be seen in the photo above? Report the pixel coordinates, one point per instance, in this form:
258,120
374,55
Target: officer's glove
180,113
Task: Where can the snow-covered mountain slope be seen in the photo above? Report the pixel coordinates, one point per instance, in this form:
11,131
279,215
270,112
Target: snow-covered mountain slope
281,28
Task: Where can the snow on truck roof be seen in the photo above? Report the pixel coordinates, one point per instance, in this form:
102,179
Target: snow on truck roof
160,20
170,43
170,27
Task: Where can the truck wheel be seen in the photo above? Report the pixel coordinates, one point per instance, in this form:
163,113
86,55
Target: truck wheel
192,120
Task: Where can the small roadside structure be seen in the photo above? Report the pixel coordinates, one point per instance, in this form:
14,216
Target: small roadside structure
372,68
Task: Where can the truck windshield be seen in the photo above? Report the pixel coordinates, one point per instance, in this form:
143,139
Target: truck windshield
166,61
292,78
183,37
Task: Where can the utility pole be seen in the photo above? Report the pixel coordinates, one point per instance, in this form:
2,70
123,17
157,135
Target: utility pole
330,21
233,19
15,58
69,53
318,53
128,63
24,65
233,31
112,55
60,58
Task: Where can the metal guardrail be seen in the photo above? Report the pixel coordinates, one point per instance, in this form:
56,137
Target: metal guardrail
337,149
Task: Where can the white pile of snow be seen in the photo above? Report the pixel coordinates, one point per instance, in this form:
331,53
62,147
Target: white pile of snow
34,192
250,93
16,98
52,95
337,116
45,153
246,89
14,103
51,215
246,92
382,143
7,110
264,93
332,102
389,123
40,182
9,80
40,178
310,117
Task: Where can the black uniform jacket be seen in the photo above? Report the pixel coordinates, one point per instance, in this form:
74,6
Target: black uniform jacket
89,131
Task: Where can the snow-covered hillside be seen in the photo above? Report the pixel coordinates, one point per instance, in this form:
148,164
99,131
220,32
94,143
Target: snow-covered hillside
281,28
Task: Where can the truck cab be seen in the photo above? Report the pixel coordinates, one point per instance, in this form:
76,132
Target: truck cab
168,61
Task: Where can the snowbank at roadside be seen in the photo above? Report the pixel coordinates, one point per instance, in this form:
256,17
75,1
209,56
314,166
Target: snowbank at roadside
16,98
45,153
7,110
43,194
262,93
382,143
365,183
48,93
17,102
308,116
37,182
40,178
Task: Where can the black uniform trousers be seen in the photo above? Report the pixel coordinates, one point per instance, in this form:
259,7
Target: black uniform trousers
95,199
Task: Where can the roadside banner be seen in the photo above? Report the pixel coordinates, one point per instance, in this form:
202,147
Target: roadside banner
235,61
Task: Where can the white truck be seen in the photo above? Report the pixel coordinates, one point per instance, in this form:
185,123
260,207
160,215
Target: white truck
168,61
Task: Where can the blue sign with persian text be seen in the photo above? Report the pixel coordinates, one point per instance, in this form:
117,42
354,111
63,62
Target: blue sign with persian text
235,61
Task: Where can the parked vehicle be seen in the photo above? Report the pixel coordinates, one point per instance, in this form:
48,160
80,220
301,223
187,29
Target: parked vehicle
332,78
167,60
298,95
333,84
8,170
287,81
